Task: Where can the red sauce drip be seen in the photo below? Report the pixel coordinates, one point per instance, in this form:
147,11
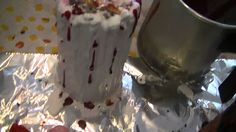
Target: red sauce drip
68,33
91,68
95,44
60,95
90,79
89,105
82,124
68,101
135,13
122,27
18,128
113,59
67,14
64,79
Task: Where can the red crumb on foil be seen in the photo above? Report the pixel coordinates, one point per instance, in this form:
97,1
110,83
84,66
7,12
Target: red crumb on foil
82,124
68,101
59,129
89,105
18,128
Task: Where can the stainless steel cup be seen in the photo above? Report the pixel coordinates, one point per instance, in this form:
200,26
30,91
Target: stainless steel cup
180,43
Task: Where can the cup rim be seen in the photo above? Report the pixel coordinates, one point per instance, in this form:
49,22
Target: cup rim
205,19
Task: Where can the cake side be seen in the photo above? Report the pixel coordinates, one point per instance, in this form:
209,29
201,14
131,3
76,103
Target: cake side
95,40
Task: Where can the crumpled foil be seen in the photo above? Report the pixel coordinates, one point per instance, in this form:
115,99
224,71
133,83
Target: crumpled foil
27,80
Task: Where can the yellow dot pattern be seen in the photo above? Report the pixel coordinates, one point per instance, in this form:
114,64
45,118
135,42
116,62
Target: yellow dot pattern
4,27
29,26
1,48
54,50
40,28
31,18
54,28
45,20
10,37
33,37
9,8
40,49
54,12
19,18
25,28
133,54
38,7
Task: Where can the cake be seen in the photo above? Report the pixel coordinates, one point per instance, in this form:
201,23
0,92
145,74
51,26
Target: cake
95,37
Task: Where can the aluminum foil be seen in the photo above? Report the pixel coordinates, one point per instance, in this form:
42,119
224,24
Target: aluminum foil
27,80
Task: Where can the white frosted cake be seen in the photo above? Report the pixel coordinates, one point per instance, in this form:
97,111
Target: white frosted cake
95,37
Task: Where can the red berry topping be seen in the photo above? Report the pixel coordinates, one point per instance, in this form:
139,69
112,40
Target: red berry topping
67,14
77,10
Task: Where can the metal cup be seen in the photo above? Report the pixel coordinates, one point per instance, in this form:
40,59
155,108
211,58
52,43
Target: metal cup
180,43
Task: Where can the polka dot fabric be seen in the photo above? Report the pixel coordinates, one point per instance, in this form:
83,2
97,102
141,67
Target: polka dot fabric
28,26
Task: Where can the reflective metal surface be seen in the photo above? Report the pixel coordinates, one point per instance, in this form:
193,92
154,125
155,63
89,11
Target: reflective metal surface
27,80
179,43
